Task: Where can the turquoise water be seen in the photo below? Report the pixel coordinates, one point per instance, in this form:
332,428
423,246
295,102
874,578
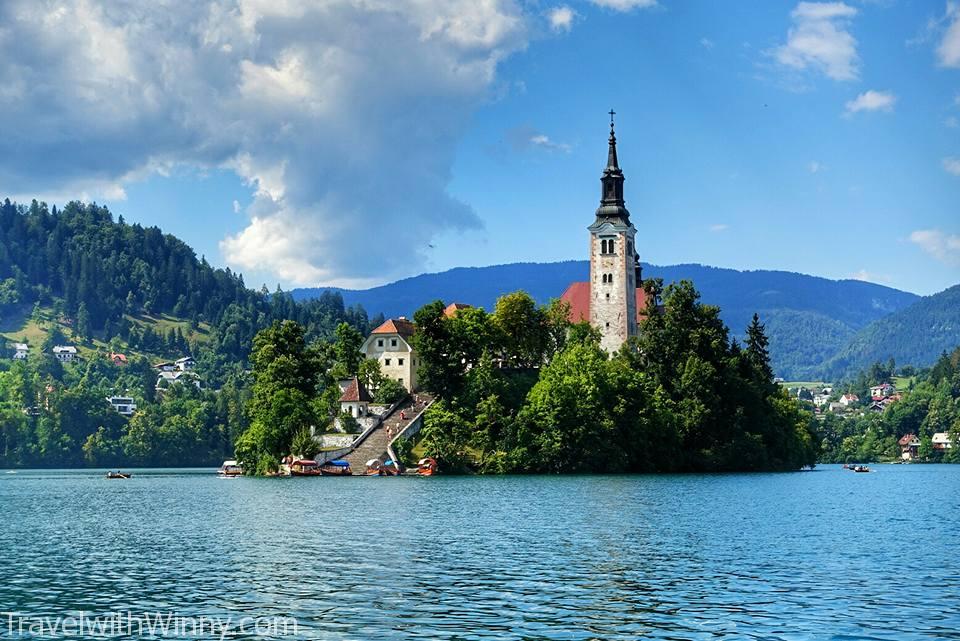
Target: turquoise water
827,554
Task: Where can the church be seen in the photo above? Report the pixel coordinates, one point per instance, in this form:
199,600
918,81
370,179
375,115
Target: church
613,300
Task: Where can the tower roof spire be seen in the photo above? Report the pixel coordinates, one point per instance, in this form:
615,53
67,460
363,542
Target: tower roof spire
612,206
612,152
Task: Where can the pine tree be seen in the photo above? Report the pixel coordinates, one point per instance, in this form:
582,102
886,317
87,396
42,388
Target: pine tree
758,348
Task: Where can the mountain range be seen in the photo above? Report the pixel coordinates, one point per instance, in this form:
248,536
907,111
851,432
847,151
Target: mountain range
817,327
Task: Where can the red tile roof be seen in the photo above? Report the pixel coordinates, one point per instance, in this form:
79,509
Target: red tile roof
396,326
905,439
578,296
356,392
453,308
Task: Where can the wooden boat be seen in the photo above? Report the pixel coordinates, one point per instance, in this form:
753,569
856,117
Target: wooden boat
118,475
336,468
427,466
860,468
230,469
304,467
374,467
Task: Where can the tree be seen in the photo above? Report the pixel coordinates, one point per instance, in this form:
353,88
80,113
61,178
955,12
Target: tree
346,349
758,349
304,444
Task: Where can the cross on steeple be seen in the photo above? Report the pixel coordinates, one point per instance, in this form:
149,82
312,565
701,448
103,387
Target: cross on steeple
612,114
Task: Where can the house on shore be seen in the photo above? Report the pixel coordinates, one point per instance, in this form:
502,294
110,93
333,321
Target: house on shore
355,399
909,445
942,441
391,345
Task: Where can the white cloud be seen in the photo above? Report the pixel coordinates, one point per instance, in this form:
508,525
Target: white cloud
942,246
719,227
561,18
952,165
236,206
336,137
542,140
872,101
706,43
870,277
625,5
819,40
814,166
948,53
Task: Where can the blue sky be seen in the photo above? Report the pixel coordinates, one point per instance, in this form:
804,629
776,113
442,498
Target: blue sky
357,144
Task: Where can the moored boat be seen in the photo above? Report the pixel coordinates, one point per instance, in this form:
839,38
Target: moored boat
427,466
230,469
304,467
374,467
336,468
390,468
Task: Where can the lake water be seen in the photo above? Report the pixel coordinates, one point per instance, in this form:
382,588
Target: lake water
827,554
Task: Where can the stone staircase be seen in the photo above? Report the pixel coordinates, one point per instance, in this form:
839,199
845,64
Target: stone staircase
374,445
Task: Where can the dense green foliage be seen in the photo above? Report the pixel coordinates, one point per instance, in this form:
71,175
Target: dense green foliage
916,336
57,415
930,406
99,273
544,397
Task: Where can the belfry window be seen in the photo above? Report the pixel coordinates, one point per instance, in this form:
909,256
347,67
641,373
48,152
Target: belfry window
610,245
603,246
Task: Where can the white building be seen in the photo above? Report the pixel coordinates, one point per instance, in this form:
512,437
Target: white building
65,353
123,404
21,351
391,345
821,399
849,399
185,364
166,379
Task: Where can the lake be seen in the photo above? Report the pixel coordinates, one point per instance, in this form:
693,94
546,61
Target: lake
827,554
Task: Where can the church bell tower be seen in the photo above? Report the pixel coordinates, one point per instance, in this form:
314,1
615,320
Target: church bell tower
614,262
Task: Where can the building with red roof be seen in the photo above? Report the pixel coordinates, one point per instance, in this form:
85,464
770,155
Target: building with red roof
355,399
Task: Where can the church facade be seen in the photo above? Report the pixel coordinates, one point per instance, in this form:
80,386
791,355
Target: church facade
613,301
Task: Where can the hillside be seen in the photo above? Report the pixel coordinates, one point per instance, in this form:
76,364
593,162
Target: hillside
916,335
809,319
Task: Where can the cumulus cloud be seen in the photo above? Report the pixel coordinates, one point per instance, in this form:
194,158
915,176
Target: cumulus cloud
871,101
719,227
525,137
948,53
952,165
342,116
624,5
820,40
942,246
561,18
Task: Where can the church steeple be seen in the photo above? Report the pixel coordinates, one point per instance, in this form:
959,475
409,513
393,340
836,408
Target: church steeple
611,195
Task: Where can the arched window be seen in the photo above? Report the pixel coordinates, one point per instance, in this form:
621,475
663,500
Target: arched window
610,245
603,246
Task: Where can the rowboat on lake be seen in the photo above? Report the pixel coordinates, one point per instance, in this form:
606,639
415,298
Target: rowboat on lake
304,467
336,468
427,466
230,469
118,475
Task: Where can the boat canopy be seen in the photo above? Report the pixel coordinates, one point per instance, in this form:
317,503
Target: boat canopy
230,463
426,461
374,462
304,462
338,463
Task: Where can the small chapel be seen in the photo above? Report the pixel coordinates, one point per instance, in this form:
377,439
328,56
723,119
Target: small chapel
613,301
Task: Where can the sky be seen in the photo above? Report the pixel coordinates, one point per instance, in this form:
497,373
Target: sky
355,142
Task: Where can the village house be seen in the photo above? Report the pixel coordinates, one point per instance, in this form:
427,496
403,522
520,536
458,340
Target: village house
390,344
880,392
849,399
118,359
837,406
909,444
124,405
185,364
20,351
451,310
355,399
942,441
166,367
65,353
820,400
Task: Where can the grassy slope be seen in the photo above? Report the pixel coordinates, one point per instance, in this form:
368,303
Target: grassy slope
34,331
